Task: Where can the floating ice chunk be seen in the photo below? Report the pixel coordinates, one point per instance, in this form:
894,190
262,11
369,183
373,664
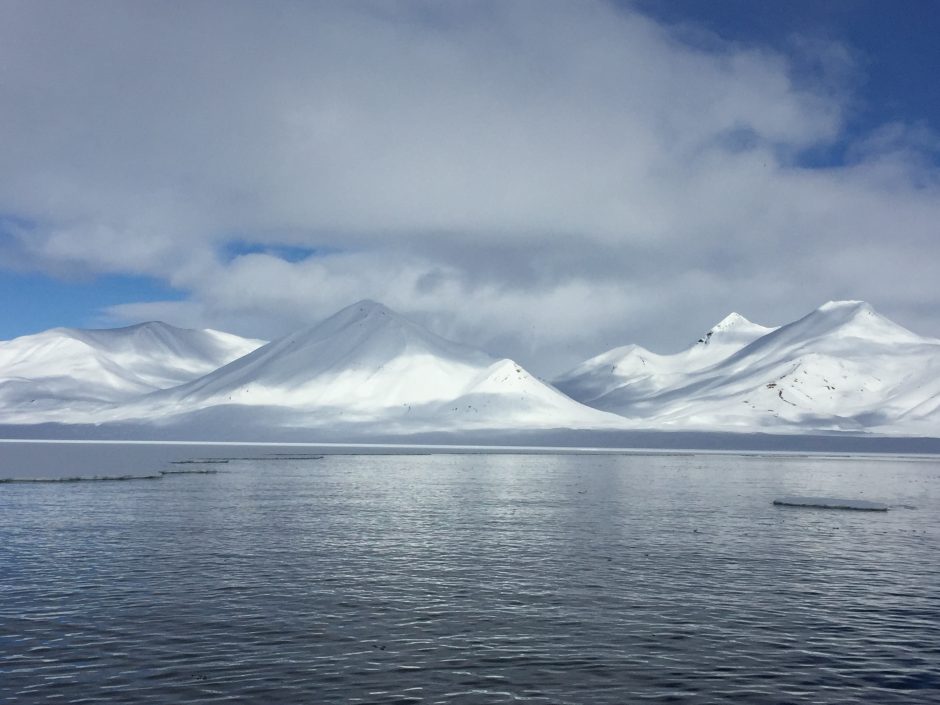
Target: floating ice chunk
832,503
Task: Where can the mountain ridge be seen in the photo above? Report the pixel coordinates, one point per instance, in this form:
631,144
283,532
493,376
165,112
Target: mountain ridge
368,363
841,368
108,365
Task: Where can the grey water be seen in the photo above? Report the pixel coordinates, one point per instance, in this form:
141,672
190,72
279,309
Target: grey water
476,579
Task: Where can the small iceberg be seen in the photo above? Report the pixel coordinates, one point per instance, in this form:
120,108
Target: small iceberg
832,503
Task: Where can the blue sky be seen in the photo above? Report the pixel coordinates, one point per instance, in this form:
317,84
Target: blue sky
894,43
544,179
35,301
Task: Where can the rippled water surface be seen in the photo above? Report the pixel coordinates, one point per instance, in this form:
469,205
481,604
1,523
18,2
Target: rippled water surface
475,578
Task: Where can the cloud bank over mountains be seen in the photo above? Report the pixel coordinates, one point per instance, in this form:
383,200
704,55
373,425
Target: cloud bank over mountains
577,166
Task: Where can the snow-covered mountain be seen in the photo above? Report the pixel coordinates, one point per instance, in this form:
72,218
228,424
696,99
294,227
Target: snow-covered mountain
843,367
367,364
69,368
633,372
367,370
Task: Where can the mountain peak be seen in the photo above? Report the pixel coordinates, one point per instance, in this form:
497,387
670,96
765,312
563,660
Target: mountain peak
363,316
845,312
363,310
730,321
835,321
365,351
735,326
368,306
367,362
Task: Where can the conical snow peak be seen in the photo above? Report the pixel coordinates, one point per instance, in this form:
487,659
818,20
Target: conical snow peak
733,328
731,320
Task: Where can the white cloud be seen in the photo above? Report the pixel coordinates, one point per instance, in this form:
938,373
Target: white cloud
542,178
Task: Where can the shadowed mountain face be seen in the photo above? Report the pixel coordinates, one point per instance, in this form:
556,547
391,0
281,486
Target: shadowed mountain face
843,366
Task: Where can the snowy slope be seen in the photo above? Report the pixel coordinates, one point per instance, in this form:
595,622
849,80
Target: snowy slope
842,367
632,372
367,364
63,368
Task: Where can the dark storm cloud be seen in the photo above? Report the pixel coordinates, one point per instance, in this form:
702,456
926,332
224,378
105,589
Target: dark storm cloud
549,178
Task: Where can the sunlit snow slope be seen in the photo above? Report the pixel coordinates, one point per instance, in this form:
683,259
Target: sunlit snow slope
632,372
369,364
67,369
369,370
842,367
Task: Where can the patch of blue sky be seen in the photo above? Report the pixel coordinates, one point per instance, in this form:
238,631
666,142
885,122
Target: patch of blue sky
12,221
289,253
33,302
892,47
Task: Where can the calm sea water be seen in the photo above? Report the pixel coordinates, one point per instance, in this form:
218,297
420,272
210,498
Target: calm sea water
475,579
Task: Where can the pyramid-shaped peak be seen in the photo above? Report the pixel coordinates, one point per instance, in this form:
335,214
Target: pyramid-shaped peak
364,309
366,312
734,328
730,321
364,341
369,306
